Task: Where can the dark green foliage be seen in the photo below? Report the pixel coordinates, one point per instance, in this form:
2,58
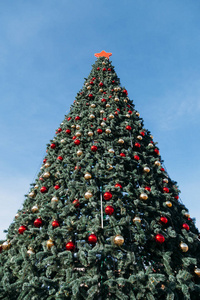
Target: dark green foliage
141,268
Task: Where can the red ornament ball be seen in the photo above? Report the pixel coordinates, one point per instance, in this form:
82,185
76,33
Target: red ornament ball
122,154
77,118
113,81
76,167
59,130
186,226
156,150
162,169
98,69
101,84
70,246
163,220
107,196
159,238
77,142
125,92
94,148
90,96
68,119
43,189
176,197
92,239
93,78
165,190
109,69
128,127
44,160
130,112
53,146
74,137
137,145
56,187
104,119
91,82
147,188
55,224
103,100
118,185
104,69
60,158
109,210
68,131
38,223
99,130
136,157
22,229
142,133
76,203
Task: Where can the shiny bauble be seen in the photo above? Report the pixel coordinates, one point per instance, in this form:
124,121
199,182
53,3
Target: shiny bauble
103,124
17,216
168,203
50,243
87,176
53,146
78,127
111,150
78,133
150,145
111,116
54,199
159,238
109,166
93,105
146,169
109,210
115,89
157,163
46,175
55,224
99,130
101,90
89,87
32,194
165,180
70,246
76,203
143,196
90,133
73,126
6,245
118,240
43,189
197,271
36,186
30,251
136,219
108,131
121,141
165,190
92,239
163,220
137,114
107,196
184,247
187,215
35,209
186,226
139,137
128,127
63,141
79,152
38,222
88,195
22,229
107,105
92,116
147,188
125,101
118,185
128,116
151,136
94,148
116,99
47,165
87,83
102,111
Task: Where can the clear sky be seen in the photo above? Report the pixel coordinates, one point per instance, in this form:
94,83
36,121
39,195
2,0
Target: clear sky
47,49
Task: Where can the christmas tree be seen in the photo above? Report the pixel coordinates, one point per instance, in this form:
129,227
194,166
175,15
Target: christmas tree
103,219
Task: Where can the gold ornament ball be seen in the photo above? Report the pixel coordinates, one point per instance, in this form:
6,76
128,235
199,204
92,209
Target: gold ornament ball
121,141
150,145
93,105
157,163
107,105
108,131
118,240
73,126
111,116
127,115
87,176
88,195
143,196
78,127
146,169
79,152
187,215
101,90
46,175
30,251
63,141
151,136
137,114
54,199
110,167
102,111
50,243
103,63
111,150
36,186
168,203
165,180
90,133
87,83
6,245
139,137
32,194
136,219
89,87
115,89
103,124
92,116
16,216
125,101
35,208
184,247
116,99
197,271
78,133
47,165
119,89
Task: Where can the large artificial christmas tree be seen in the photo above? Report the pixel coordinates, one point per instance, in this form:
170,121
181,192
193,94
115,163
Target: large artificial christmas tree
103,219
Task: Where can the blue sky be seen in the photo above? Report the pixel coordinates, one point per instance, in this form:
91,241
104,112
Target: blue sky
47,49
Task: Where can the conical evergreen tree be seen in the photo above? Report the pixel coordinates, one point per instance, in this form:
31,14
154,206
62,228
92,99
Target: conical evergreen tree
103,219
